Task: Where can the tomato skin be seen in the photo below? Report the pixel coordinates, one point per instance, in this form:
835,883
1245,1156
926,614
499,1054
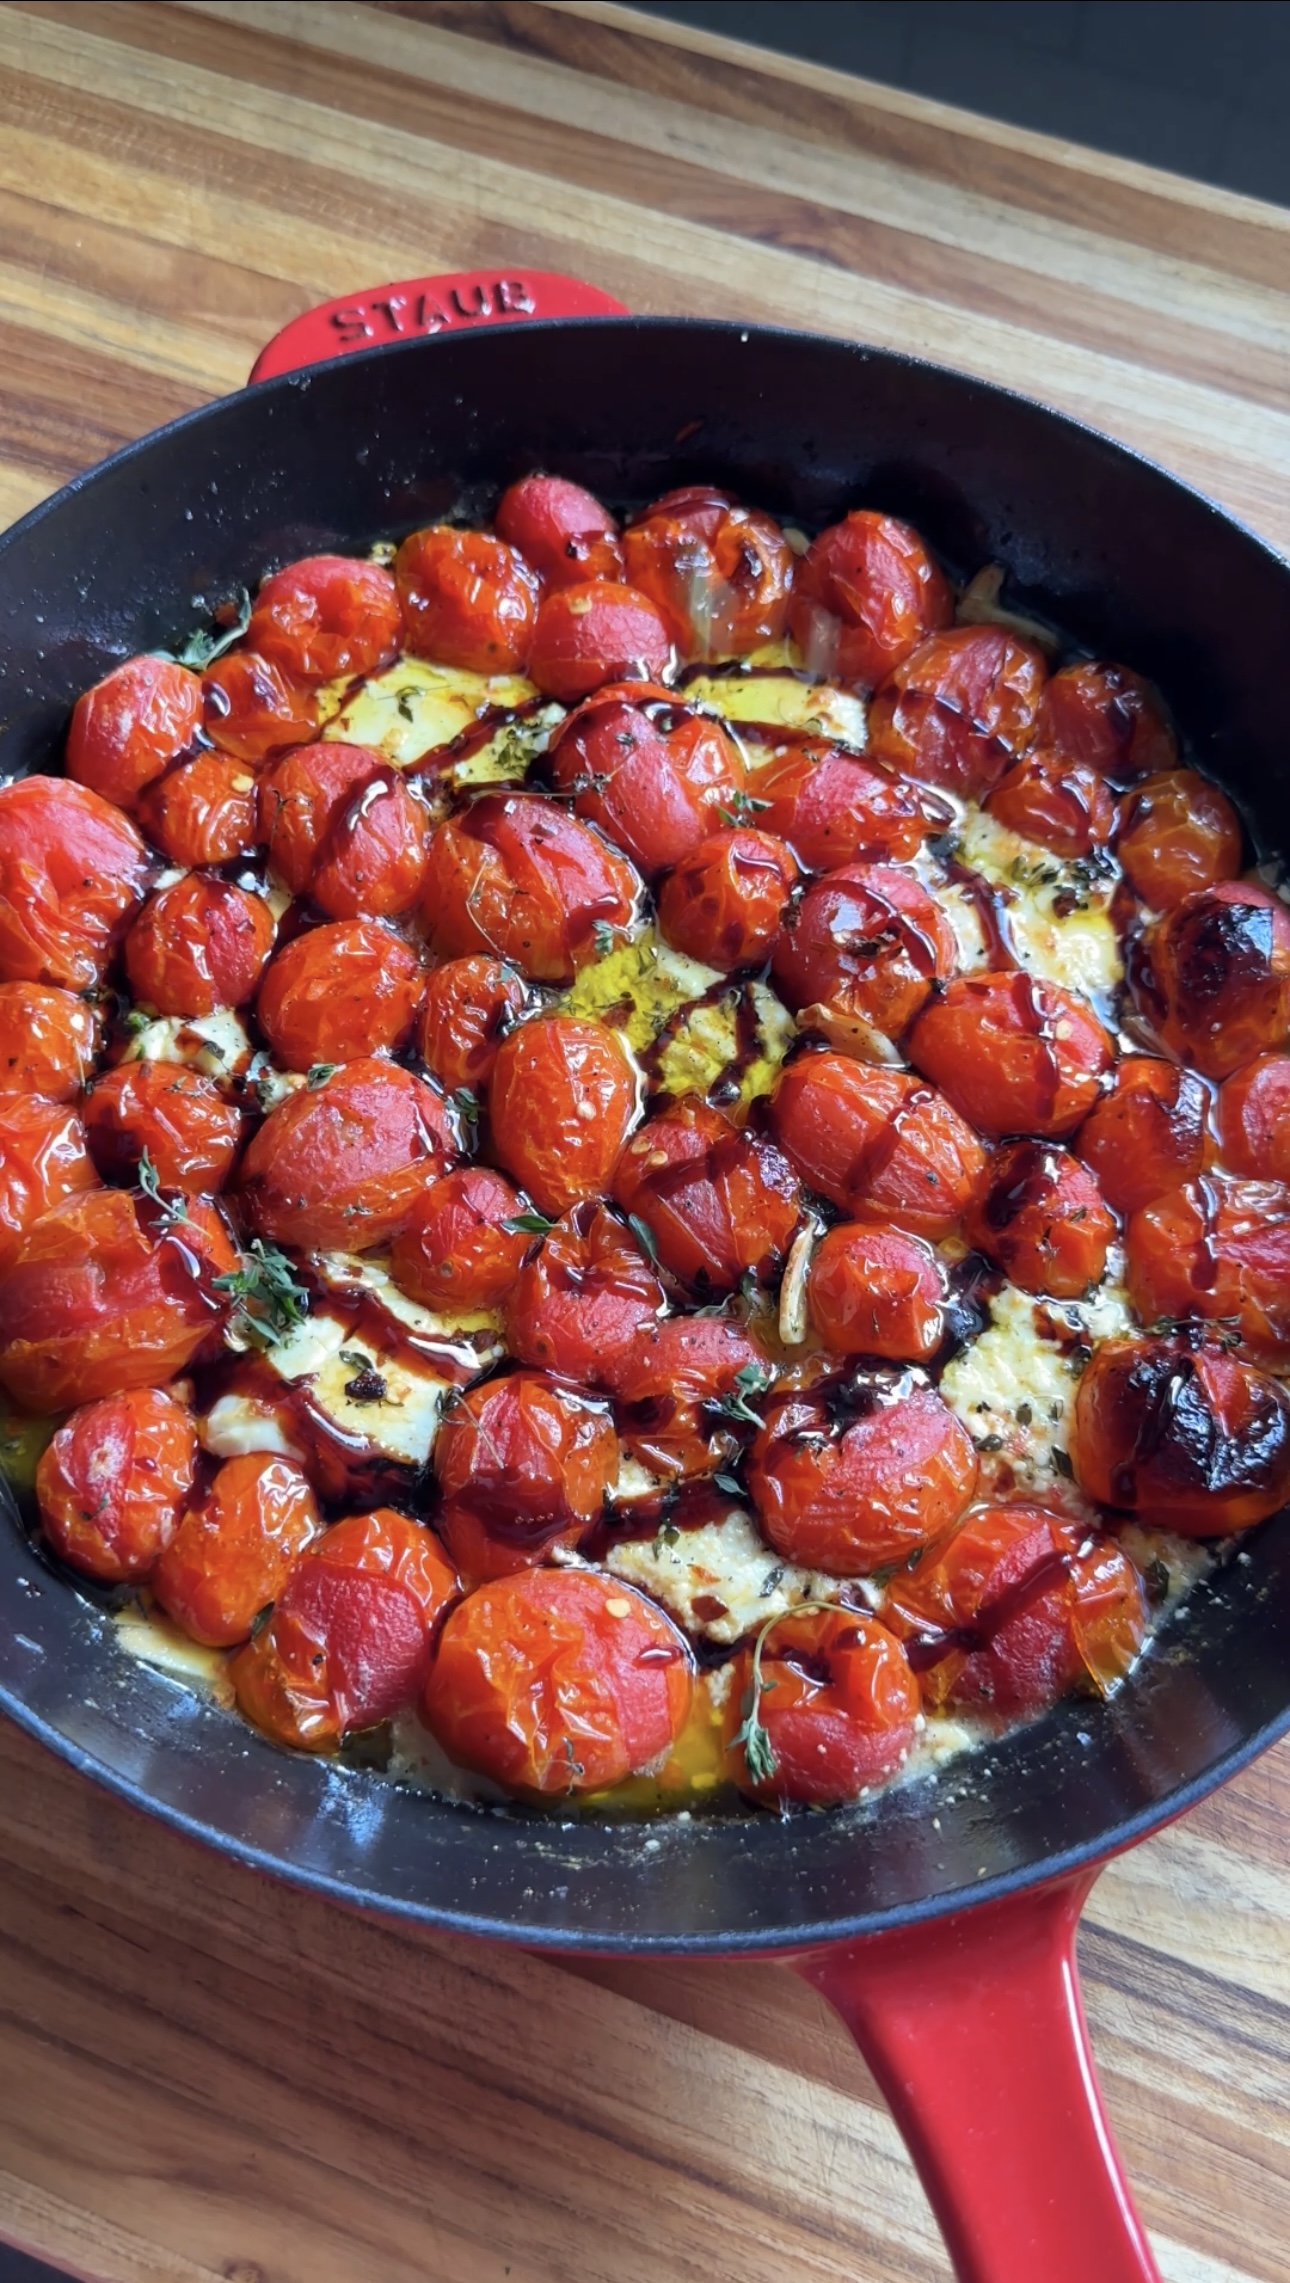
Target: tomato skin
1215,982
523,1464
112,1484
717,1202
339,1166
597,632
100,1298
866,594
1109,718
838,1705
877,1143
131,726
1187,1436
834,808
1178,834
1147,1133
1040,1217
580,1298
325,616
198,945
1015,1608
561,530
49,1040
668,1384
468,600
72,870
724,901
352,1632
1015,1055
1254,1120
203,812
339,993
868,943
654,775
342,826
873,1291
252,710
469,1006
848,1487
453,1250
562,1100
232,1551
43,1159
720,574
960,709
1065,805
557,1681
191,1134
1216,1248
514,876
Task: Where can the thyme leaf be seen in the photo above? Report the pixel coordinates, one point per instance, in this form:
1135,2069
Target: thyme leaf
754,1379
319,1073
268,1304
531,1224
173,1209
229,623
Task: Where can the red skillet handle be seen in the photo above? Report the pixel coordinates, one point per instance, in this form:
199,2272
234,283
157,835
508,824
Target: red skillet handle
453,304
974,2029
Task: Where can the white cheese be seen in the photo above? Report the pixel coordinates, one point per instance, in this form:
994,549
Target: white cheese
414,707
474,1334
1078,948
400,1424
1017,1386
236,1425
217,1043
726,1564
782,701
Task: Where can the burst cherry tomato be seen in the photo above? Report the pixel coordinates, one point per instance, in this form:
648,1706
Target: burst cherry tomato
836,1701
203,812
562,1099
72,869
1148,1133
131,726
338,993
325,616
867,593
523,1464
653,774
836,809
878,1143
720,574
342,827
1178,833
1014,1054
454,1250
108,1293
1254,1120
1065,805
232,1551
112,1484
594,633
43,1158
1109,718
468,600
579,1301
198,945
1215,982
558,1681
339,1166
876,1292
1185,1435
1216,1248
48,1041
1040,1215
470,1004
717,1202
852,1480
724,901
561,530
868,943
679,1385
352,1633
181,1119
513,875
960,709
253,710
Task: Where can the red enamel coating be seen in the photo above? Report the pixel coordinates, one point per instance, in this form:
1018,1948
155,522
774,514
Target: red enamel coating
420,305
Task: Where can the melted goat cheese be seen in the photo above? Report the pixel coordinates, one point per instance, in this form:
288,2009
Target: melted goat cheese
721,1581
413,708
1014,1389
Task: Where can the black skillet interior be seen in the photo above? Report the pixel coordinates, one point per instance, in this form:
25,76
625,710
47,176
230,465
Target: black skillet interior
1133,566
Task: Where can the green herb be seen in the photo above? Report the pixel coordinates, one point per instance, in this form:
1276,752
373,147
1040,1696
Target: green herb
355,1358
1024,1414
319,1073
1061,1460
173,1210
666,1534
1155,1577
230,622
135,1022
532,1224
604,938
268,1304
758,1750
730,1484
754,1379
990,1443
741,805
403,700
467,1106
644,1236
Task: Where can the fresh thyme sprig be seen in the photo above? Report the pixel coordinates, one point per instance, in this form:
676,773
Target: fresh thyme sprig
268,1304
753,1379
231,620
752,1735
173,1210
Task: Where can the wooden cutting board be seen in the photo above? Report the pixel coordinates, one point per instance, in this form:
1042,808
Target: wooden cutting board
206,2076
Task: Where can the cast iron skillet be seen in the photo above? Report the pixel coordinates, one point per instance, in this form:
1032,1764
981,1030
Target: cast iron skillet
969,2016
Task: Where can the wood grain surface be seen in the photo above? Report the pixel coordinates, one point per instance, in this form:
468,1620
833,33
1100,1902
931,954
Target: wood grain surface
206,2076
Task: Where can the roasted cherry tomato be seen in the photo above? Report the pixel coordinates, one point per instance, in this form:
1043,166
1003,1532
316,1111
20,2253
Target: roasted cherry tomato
1108,717
523,1464
468,600
717,1202
1253,1120
342,826
43,1158
1148,1133
580,1299
872,1291
1014,1054
189,1131
1016,1607
1040,1215
558,1681
1065,805
338,1166
851,1479
109,1292
597,632
561,530
513,875
878,1143
836,1704
1216,1248
252,710
325,616
232,1551
867,593
960,709
867,943
681,1385
48,1041
199,945
720,574
132,725
724,901
561,1101
1183,1434
72,869
352,1632
654,774
470,1004
1215,980
835,809
203,812
112,1484
1178,833
338,993
455,1249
